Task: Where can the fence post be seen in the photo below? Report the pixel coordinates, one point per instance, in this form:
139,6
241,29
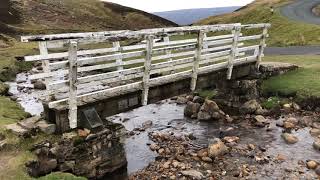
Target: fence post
197,58
147,68
45,65
234,50
73,70
262,45
168,52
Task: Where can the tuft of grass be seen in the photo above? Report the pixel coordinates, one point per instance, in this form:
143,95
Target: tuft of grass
304,82
271,103
10,112
284,32
209,94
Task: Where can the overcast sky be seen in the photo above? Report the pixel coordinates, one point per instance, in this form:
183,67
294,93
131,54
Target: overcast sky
168,5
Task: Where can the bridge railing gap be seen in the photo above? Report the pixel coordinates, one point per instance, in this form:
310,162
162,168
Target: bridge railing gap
83,68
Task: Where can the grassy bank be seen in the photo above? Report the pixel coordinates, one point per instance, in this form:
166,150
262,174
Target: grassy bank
304,82
284,32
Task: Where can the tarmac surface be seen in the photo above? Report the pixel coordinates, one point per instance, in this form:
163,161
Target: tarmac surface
301,10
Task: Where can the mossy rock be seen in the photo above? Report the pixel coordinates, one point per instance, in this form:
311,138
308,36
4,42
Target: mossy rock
4,88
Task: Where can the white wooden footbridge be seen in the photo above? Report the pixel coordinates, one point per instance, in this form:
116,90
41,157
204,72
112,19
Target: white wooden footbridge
83,68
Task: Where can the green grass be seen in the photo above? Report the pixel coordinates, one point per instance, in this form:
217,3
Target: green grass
10,111
9,66
304,82
284,32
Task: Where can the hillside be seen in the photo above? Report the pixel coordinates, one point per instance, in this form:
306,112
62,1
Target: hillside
46,16
284,32
189,16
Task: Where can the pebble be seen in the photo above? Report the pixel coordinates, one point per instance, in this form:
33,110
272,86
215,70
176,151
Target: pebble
312,164
206,159
154,147
281,157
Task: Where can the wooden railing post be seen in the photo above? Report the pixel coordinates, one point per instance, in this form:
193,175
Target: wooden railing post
197,58
73,70
147,68
168,52
45,66
262,45
234,49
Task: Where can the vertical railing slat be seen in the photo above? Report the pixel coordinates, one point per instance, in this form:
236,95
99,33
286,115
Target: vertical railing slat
147,68
195,68
261,47
234,50
73,84
45,65
119,59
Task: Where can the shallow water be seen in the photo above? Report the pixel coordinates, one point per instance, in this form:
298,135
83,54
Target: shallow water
27,97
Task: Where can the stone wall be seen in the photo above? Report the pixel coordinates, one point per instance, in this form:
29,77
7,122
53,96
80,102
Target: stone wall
92,156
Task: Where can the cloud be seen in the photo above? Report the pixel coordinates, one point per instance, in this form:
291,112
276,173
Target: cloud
167,5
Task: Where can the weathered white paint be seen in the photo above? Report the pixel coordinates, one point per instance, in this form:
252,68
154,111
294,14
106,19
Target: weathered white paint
73,85
119,69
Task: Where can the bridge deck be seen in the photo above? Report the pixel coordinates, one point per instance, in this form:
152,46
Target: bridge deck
82,68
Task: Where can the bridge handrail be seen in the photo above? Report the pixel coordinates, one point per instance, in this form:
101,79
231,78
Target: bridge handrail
135,64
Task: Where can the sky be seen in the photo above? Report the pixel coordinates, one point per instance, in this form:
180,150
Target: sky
168,5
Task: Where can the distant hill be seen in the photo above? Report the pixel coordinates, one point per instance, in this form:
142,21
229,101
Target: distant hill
55,16
189,16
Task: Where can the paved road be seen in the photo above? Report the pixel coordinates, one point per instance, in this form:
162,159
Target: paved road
294,50
301,10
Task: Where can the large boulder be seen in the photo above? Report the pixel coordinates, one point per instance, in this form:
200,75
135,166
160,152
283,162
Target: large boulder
250,107
192,109
290,138
216,148
210,110
39,85
316,144
46,127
